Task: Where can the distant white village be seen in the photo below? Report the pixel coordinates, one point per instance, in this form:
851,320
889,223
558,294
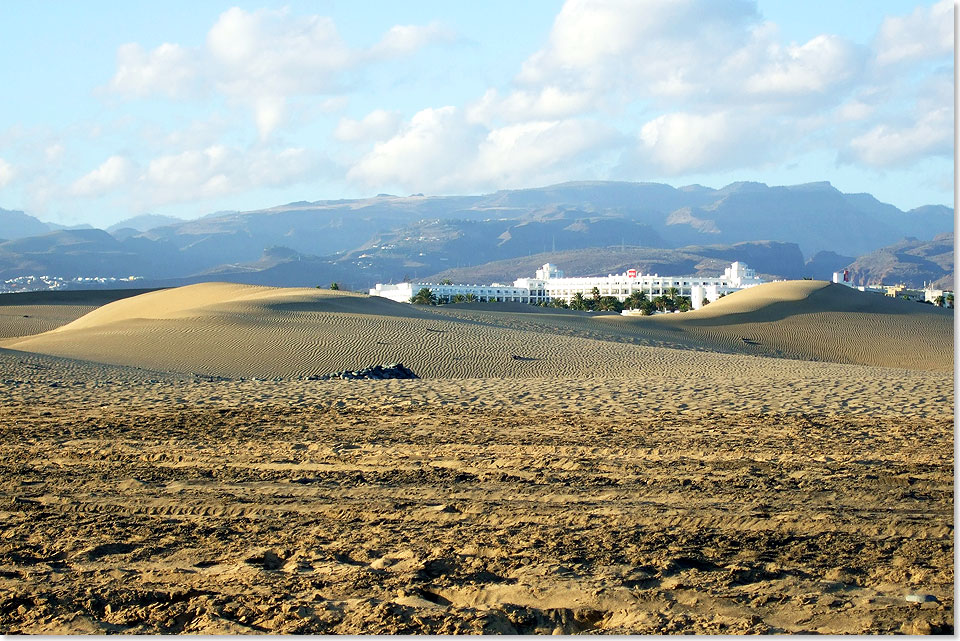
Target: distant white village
551,287
49,283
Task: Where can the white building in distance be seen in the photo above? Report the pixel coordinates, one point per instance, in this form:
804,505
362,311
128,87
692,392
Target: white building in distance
550,284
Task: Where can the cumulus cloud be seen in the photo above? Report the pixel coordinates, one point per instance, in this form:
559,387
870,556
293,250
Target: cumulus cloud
114,172
515,155
662,43
427,150
546,103
262,59
219,170
854,110
402,40
376,125
889,146
926,33
169,70
443,150
6,173
817,66
679,143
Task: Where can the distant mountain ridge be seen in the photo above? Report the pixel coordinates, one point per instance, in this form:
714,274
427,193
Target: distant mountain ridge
17,224
911,262
388,237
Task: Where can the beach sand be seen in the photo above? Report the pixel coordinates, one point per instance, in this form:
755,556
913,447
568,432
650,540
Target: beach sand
780,461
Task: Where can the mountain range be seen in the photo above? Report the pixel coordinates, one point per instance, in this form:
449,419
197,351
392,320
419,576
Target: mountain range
585,227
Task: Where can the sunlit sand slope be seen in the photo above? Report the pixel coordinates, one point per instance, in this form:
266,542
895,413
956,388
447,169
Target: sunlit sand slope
815,320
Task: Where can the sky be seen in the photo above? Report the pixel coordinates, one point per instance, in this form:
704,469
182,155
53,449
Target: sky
112,110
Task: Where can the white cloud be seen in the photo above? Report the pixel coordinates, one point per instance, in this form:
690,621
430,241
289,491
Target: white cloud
815,67
925,33
440,150
679,52
428,150
516,155
679,143
113,173
854,110
521,105
376,125
261,59
890,146
53,153
218,170
169,70
6,173
655,46
405,39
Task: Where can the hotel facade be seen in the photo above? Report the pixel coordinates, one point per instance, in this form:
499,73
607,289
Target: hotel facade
550,284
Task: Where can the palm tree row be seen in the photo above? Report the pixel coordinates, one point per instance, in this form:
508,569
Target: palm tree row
667,302
426,297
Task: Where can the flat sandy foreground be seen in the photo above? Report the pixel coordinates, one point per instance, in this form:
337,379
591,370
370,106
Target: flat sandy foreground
780,461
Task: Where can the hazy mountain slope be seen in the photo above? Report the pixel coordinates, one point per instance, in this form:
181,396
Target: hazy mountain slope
388,237
773,260
430,246
84,252
824,264
142,223
911,262
816,216
16,224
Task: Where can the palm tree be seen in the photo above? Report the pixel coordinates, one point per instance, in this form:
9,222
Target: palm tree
684,304
939,301
662,303
672,293
335,286
636,300
949,299
424,297
470,298
596,294
578,302
609,304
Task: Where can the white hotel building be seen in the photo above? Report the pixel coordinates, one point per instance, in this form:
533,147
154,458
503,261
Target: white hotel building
550,284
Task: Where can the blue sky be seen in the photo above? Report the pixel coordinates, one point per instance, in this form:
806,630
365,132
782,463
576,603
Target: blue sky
183,108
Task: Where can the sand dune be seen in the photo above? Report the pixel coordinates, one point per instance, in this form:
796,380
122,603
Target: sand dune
28,313
27,320
625,475
819,321
248,331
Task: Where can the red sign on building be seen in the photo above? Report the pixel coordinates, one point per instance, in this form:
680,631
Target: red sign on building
631,273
